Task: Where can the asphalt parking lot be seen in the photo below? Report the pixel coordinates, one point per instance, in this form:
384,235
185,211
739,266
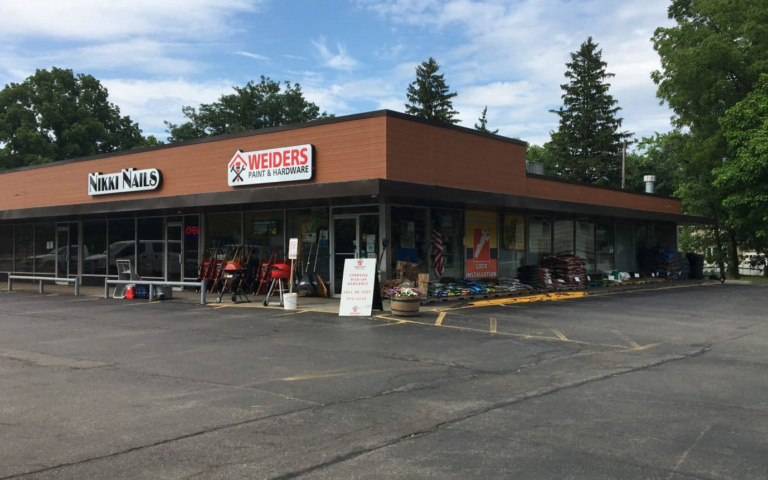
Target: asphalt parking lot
667,384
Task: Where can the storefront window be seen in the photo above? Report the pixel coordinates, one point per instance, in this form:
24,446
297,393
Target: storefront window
24,250
630,245
95,247
191,246
409,243
6,249
45,248
662,235
585,242
223,233
446,244
264,231
563,236
604,242
539,238
122,243
151,247
311,227
512,245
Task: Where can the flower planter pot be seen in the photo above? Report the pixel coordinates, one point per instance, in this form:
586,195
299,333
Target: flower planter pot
405,306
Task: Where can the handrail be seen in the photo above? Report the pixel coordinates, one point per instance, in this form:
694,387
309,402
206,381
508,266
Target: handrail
153,283
75,280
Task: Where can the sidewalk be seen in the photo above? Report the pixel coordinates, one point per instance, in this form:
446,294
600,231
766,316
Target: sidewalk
331,305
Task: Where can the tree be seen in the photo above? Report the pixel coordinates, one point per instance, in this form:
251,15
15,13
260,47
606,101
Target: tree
659,155
588,143
252,107
743,177
429,95
710,60
56,115
483,125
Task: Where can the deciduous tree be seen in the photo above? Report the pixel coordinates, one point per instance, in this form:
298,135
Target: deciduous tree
710,60
56,115
252,107
743,176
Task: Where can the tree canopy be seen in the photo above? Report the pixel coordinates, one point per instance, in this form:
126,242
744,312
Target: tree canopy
588,143
711,60
658,155
744,175
56,115
429,95
483,125
252,107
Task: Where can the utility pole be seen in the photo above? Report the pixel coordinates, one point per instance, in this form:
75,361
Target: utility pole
623,162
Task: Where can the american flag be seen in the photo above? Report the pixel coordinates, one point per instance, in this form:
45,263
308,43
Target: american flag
438,264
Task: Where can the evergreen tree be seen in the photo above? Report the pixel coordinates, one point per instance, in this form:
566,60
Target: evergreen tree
483,125
429,96
587,145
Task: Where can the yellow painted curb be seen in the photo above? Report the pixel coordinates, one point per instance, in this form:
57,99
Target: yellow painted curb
547,297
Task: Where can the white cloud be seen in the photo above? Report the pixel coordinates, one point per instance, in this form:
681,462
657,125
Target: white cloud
511,55
254,56
339,61
151,102
99,20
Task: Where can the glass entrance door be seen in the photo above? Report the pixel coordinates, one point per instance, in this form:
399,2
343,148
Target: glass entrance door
344,247
67,253
174,260
354,236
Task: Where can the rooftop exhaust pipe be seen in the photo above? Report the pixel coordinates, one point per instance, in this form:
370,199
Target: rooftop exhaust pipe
649,180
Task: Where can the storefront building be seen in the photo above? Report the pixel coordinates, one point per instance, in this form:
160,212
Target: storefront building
457,202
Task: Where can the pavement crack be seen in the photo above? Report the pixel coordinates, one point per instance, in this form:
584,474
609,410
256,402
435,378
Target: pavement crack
472,414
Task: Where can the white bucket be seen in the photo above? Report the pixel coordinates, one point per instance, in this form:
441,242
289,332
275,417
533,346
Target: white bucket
290,301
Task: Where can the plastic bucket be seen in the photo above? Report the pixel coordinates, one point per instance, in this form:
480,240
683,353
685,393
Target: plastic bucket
129,292
290,301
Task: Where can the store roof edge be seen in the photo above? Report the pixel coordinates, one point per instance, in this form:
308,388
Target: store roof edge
265,131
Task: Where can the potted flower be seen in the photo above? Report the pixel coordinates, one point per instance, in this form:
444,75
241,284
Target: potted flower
404,301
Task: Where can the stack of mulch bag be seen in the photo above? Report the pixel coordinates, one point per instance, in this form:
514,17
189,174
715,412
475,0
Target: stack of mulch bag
567,269
534,276
662,262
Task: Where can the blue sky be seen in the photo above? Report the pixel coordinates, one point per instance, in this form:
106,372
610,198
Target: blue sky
349,56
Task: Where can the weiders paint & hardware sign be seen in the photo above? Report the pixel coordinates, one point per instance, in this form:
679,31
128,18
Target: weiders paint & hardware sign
284,164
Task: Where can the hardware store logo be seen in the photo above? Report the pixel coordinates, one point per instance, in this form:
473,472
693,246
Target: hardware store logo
285,164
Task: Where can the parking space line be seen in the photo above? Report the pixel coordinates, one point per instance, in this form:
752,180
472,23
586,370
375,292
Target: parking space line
493,326
631,342
559,334
440,318
506,334
295,312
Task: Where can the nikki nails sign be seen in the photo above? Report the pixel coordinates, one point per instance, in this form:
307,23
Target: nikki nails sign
286,164
128,180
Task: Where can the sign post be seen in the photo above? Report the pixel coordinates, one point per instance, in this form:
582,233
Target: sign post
293,250
357,287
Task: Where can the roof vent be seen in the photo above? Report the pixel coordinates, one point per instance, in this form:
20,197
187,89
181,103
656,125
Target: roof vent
649,180
536,168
